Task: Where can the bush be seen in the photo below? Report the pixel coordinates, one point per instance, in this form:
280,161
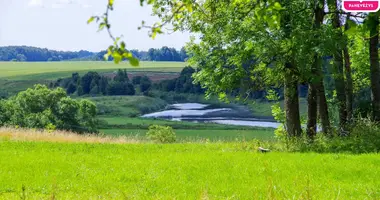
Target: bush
43,108
136,80
145,84
120,88
363,137
162,134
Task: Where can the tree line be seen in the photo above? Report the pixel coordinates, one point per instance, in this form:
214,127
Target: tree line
93,83
34,54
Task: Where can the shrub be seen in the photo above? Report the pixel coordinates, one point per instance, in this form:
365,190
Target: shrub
145,84
136,80
43,108
363,137
162,134
120,88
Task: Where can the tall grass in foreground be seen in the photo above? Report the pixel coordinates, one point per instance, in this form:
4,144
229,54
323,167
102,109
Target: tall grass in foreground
12,134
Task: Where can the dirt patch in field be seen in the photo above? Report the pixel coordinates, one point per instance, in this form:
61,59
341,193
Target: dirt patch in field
154,76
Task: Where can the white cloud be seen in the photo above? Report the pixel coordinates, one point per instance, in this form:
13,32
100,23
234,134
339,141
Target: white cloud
35,3
64,3
59,3
86,6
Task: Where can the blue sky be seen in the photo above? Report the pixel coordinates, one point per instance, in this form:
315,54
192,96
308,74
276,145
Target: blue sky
61,25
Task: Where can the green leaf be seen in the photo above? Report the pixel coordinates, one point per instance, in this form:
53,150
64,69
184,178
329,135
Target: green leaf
127,55
352,27
106,56
90,20
122,45
189,7
222,96
277,6
154,34
116,57
134,61
101,26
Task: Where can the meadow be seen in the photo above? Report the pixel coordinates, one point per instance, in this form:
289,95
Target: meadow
42,170
53,70
18,76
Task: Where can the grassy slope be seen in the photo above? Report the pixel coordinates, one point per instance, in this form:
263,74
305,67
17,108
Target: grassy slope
53,70
180,171
128,106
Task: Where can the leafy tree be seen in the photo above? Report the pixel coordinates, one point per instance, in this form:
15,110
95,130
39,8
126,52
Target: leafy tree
121,76
40,107
120,88
103,85
87,114
145,84
373,25
5,110
71,88
183,54
80,91
136,80
88,79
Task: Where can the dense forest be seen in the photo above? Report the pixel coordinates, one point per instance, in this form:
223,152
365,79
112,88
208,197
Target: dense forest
35,54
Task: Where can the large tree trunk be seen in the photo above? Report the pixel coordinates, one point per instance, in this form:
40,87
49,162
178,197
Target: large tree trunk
374,62
349,87
315,78
349,84
323,108
338,74
321,96
316,95
292,113
311,129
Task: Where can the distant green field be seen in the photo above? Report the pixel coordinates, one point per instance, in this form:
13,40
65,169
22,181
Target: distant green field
37,170
53,70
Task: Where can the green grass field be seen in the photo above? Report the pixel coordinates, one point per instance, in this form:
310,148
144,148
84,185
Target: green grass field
188,135
54,70
37,170
129,106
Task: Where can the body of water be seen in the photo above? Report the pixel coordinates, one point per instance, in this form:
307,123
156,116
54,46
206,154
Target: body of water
199,113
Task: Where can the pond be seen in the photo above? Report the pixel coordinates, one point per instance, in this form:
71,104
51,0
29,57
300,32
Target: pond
204,113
